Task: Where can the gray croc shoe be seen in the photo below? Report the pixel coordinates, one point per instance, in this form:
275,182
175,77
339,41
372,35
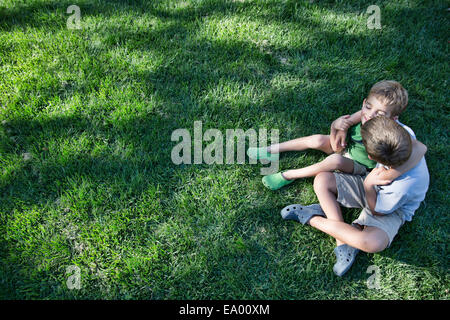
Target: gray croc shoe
301,213
345,256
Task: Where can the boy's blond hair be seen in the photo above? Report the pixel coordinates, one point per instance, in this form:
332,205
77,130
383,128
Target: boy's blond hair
392,94
386,141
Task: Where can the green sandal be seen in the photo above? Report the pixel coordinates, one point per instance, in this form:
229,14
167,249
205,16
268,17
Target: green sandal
275,181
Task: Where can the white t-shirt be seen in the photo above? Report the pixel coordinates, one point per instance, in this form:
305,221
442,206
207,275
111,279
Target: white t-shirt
406,192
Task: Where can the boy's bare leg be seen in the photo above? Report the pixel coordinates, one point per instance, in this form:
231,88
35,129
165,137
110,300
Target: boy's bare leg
326,191
318,142
330,163
370,239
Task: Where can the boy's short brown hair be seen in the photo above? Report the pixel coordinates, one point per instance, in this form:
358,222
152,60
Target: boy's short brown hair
392,94
386,141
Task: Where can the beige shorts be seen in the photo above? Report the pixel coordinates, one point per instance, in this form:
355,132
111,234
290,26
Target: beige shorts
351,194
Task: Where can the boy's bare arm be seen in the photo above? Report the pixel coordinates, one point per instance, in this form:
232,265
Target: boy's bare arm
373,179
371,196
417,153
356,117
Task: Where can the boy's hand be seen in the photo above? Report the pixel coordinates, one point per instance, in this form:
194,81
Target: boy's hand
338,132
374,178
342,123
338,142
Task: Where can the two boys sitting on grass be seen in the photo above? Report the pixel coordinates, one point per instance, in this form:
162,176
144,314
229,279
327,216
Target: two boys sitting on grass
389,194
386,205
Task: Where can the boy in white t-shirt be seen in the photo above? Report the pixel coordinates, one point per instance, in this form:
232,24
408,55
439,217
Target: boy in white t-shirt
386,205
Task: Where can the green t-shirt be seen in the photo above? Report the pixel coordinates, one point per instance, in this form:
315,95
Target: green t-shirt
356,149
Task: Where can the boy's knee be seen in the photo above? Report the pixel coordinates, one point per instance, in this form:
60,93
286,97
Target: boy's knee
336,160
375,242
324,180
320,141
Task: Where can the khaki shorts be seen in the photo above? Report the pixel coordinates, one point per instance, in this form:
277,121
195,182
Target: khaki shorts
351,194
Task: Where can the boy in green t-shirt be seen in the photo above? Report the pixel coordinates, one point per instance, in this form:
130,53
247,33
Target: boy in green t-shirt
356,149
347,153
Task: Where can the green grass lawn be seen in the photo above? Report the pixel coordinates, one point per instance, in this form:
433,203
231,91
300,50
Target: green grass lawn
86,117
